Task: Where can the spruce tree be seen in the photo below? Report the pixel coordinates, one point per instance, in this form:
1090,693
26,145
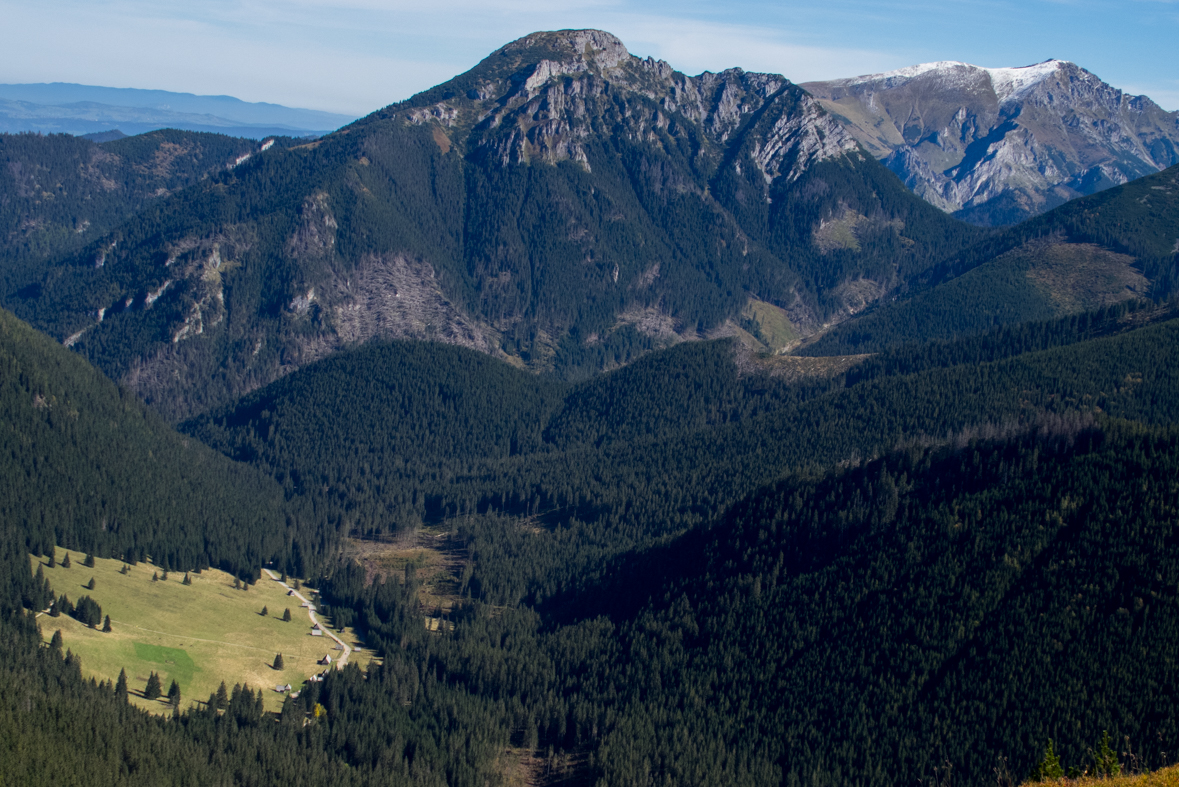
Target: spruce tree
222,697
65,562
265,611
124,569
121,685
152,690
164,576
1049,768
106,626
187,580
155,577
278,662
286,615
174,694
1105,759
90,584
53,558
55,643
89,561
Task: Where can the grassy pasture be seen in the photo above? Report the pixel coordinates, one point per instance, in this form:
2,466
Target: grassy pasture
773,325
198,635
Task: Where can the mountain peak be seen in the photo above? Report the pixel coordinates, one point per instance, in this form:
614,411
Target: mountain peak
998,145
583,46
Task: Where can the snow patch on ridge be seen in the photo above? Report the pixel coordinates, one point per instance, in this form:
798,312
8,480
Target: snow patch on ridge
908,72
1013,82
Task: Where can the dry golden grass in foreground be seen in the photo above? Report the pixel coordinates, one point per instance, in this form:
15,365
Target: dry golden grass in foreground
1166,777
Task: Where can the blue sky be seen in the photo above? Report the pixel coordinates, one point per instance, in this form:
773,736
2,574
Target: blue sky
355,56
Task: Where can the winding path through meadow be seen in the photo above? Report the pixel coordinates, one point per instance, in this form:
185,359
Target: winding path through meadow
340,662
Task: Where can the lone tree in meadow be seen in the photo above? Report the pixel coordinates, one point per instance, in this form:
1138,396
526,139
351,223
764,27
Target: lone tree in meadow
152,690
89,561
65,562
174,694
278,663
53,558
106,625
90,584
286,615
155,577
55,643
187,579
265,611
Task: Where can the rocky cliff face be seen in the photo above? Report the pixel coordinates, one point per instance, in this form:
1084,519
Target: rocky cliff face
999,145
550,111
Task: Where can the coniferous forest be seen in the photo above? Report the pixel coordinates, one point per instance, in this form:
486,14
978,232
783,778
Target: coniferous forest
930,539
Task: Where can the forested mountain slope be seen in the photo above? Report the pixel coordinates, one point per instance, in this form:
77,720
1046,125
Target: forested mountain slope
691,433
563,204
62,192
89,467
939,608
1118,245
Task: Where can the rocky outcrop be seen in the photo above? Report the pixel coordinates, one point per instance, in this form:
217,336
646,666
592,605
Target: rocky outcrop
998,145
396,297
548,112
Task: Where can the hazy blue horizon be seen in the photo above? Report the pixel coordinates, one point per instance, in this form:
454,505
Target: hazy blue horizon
352,57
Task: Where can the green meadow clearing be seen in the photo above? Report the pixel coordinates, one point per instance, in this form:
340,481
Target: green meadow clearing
198,635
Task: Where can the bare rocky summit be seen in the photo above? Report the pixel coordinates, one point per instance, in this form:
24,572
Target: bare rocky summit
551,112
998,145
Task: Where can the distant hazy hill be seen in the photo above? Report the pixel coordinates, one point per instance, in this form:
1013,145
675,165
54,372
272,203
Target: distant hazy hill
999,145
563,204
86,109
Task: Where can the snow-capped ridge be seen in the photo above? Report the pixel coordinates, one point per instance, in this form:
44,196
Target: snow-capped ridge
964,136
1008,83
